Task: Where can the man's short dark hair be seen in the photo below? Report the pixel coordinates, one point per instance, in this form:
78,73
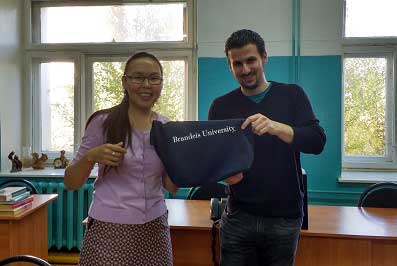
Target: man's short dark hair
243,37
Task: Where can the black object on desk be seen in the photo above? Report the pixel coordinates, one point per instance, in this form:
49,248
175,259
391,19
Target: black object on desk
380,195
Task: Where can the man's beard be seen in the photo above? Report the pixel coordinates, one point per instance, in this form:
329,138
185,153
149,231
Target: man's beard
250,87
247,86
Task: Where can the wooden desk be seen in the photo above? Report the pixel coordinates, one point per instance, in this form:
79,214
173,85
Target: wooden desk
340,236
26,233
190,232
337,236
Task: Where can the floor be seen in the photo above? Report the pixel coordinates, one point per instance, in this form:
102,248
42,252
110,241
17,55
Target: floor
64,258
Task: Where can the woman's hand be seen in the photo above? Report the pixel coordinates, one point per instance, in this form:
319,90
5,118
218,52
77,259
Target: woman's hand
108,154
169,185
234,179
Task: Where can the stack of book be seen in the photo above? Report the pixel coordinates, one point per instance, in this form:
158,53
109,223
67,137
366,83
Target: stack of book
14,200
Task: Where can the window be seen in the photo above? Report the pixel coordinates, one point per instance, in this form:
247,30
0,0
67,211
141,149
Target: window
107,90
57,105
369,86
75,58
368,108
110,23
369,18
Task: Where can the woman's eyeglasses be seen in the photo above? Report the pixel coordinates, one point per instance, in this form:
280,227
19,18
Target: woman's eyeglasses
140,79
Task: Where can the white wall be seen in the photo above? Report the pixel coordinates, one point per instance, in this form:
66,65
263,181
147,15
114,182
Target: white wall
320,25
321,29
10,78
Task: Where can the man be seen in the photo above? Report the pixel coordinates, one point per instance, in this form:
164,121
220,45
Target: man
263,218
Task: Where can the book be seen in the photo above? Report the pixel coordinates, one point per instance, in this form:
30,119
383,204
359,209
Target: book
16,199
8,193
15,211
15,205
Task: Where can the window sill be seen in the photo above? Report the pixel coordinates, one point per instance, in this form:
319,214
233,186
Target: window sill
367,176
47,172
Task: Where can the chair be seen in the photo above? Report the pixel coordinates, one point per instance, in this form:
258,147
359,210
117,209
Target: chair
380,195
19,181
24,258
213,190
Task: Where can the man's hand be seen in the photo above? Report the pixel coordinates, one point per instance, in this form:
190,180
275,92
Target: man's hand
260,125
231,180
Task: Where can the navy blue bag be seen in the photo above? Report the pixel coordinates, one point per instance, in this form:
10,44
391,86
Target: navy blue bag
195,153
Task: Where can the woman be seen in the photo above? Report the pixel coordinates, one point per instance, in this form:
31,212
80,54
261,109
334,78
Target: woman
127,222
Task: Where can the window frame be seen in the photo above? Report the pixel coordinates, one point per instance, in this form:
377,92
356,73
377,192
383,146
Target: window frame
33,28
350,41
390,159
35,59
82,54
371,46
190,94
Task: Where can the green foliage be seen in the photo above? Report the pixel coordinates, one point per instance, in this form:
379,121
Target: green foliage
108,89
365,106
142,24
171,102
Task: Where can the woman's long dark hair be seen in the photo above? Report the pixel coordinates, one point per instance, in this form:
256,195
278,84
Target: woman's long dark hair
116,126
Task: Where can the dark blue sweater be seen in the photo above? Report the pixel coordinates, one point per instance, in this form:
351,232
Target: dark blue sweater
273,185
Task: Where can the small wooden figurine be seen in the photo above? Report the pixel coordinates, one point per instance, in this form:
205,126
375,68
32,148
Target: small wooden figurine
39,163
16,163
61,162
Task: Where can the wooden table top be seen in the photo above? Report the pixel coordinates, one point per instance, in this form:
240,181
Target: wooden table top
39,200
324,221
354,222
189,214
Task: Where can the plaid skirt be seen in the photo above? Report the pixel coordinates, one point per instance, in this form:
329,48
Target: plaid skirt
113,244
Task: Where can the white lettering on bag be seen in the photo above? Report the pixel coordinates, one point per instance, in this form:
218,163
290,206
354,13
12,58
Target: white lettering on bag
204,133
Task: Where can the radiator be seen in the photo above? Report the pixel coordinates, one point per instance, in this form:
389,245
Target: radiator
65,215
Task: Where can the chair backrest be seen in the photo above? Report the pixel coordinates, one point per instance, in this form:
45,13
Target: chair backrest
24,258
213,190
19,181
380,195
